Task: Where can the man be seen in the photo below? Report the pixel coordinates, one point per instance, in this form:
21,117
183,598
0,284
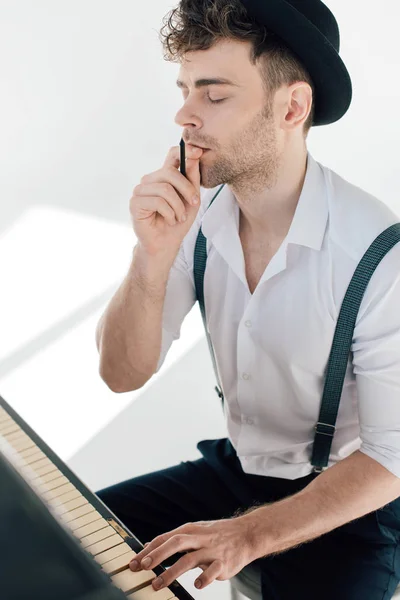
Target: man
284,237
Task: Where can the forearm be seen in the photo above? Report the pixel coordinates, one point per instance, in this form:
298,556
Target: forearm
129,333
349,490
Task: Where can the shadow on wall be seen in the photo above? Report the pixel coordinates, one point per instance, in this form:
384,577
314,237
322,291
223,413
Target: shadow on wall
53,333
160,428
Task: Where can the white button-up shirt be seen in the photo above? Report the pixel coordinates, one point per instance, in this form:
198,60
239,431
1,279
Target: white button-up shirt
272,346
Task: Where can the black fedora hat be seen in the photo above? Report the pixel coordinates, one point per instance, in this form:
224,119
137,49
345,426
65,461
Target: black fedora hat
311,31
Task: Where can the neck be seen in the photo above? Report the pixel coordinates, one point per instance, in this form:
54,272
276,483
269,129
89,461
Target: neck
269,211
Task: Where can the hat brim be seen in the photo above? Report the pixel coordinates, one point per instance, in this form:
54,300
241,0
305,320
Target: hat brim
332,82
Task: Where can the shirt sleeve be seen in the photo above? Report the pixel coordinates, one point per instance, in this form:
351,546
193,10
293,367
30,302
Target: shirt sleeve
376,362
179,299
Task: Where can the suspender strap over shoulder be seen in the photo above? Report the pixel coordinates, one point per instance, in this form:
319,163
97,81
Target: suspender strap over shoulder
342,339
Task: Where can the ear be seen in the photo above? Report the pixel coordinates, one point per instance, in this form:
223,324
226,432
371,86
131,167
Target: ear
298,107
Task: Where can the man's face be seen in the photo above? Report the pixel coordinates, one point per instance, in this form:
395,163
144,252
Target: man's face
240,131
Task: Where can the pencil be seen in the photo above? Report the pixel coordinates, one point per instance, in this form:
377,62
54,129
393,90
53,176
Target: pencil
182,166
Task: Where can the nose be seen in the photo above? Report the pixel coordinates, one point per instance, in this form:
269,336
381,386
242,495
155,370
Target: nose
182,118
187,116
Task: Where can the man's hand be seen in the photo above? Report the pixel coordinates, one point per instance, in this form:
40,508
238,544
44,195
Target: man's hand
220,548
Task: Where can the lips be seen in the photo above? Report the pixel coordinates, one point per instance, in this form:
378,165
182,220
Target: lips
196,146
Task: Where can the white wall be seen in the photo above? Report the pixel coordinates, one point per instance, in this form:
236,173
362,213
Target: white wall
87,106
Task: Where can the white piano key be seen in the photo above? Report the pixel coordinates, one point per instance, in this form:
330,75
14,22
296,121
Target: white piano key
22,444
60,490
57,482
85,519
148,593
68,507
33,458
129,581
112,567
97,536
4,416
8,427
47,477
107,555
15,435
26,453
36,465
44,469
63,499
78,512
106,544
92,527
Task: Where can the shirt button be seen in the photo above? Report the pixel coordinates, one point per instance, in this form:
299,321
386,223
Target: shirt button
248,323
250,422
246,376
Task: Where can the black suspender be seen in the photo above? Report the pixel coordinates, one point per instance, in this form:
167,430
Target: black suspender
337,364
200,259
338,358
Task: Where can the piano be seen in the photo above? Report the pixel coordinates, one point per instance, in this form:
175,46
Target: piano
58,540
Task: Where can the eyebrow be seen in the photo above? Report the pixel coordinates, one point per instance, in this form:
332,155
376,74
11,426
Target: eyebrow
207,81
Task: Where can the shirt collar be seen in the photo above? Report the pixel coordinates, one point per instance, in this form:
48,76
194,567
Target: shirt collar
311,215
309,221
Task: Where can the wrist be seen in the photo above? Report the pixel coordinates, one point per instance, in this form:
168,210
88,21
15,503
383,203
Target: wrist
153,265
260,534
150,257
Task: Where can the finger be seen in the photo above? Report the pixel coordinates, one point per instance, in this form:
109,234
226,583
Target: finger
145,207
193,172
158,541
181,184
209,575
165,191
183,565
178,543
173,158
171,167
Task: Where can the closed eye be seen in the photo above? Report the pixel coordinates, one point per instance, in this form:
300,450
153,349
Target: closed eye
213,101
216,101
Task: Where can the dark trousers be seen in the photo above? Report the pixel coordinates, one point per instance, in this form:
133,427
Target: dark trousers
358,561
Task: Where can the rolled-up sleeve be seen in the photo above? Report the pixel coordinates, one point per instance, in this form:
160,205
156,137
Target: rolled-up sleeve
179,299
376,363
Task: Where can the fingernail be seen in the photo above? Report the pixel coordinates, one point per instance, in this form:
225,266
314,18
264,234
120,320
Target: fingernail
183,218
197,583
195,199
146,562
134,565
158,583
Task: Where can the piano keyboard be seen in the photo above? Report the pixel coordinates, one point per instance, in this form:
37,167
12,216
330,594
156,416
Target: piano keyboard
98,530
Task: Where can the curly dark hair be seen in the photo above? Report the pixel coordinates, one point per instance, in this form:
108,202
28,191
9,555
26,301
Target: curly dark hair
199,24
